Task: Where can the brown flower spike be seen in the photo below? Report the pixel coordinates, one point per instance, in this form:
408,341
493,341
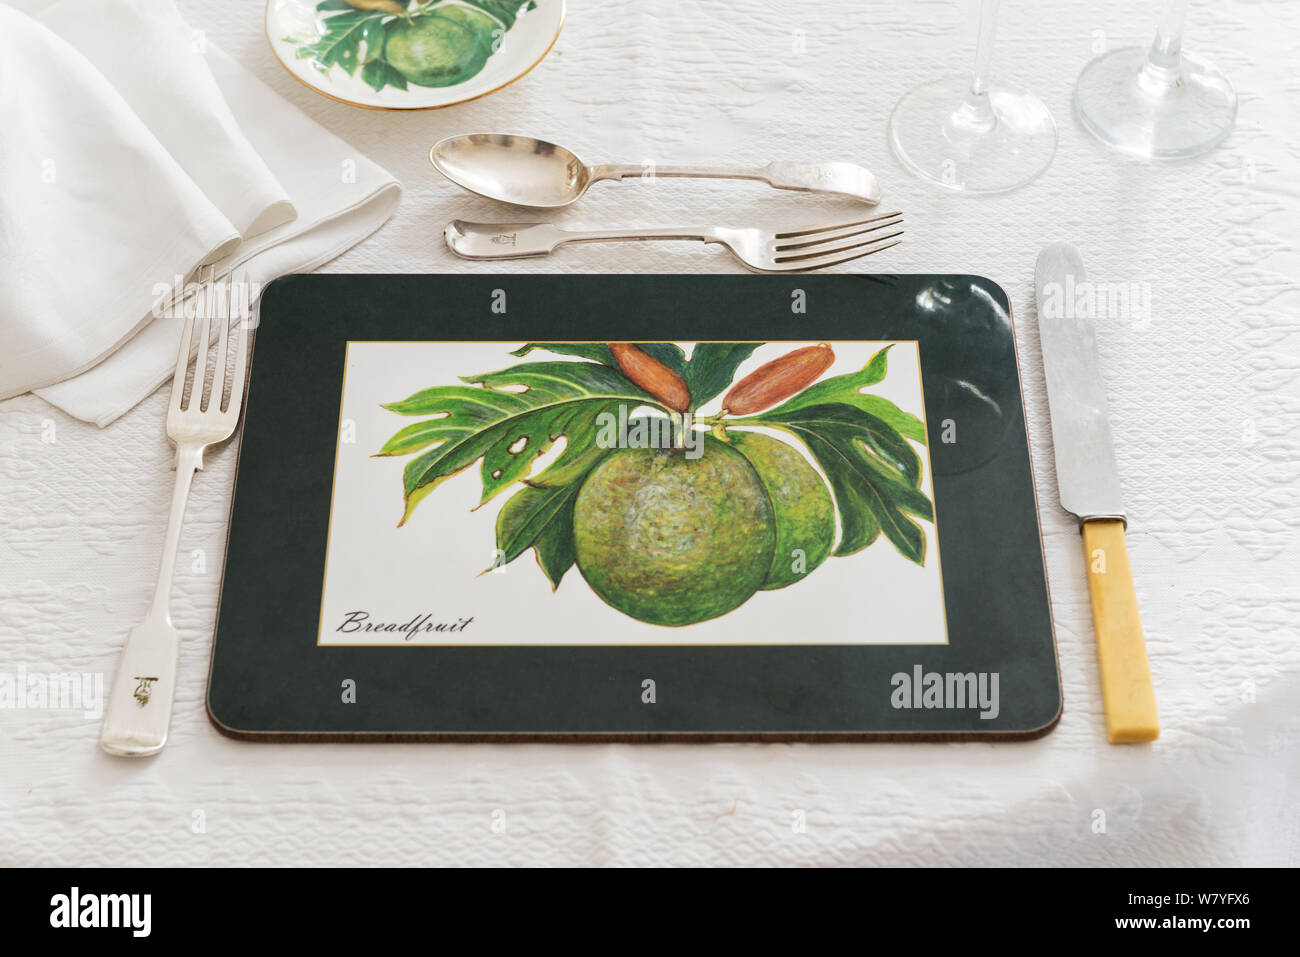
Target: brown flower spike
778,379
652,375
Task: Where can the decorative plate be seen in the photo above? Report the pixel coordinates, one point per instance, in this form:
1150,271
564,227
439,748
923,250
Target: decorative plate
411,54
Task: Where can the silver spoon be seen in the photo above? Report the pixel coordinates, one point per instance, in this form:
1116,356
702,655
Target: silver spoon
531,172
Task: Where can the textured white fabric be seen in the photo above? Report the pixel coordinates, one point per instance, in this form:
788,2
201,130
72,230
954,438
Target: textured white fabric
1206,408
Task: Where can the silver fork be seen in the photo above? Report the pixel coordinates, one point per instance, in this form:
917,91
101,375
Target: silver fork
140,704
762,250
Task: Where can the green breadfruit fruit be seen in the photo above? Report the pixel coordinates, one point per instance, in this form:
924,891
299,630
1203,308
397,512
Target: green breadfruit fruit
801,503
672,540
477,22
435,50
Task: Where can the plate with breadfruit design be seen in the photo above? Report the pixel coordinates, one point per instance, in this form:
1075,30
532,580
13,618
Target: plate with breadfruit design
411,54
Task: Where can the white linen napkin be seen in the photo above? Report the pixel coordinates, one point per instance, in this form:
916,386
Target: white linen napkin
132,152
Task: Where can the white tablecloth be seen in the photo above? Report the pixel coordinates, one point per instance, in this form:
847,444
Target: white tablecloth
1206,410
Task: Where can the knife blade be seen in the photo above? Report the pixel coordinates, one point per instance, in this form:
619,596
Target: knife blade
1089,486
1085,454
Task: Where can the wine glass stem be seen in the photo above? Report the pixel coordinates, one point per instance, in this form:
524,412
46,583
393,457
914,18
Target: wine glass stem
977,111
1161,73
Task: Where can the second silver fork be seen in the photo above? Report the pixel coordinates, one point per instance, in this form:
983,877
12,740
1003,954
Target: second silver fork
762,250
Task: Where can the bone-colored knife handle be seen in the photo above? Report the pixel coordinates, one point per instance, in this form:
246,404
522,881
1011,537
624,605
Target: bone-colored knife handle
1126,689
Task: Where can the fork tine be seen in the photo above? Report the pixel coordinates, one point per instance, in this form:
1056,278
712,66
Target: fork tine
183,358
243,304
810,230
834,259
223,337
848,247
204,341
846,232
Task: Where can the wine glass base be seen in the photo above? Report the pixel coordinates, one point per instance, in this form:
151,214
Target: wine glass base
1117,104
937,137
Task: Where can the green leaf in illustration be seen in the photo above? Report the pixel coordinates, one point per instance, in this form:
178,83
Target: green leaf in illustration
543,520
341,42
504,10
881,439
712,367
570,468
378,74
474,407
595,351
507,429
874,483
668,353
540,516
848,389
372,38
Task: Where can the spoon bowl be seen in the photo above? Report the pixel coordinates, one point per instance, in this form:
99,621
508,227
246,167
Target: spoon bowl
512,169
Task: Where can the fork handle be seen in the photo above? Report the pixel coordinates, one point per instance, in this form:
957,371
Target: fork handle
522,240
139,709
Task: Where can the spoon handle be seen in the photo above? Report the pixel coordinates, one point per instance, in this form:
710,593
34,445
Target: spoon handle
651,171
839,179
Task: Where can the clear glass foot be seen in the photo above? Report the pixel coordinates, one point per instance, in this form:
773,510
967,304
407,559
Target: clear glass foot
969,143
1134,106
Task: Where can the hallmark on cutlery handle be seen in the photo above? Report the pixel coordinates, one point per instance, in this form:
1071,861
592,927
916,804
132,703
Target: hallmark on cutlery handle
143,689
